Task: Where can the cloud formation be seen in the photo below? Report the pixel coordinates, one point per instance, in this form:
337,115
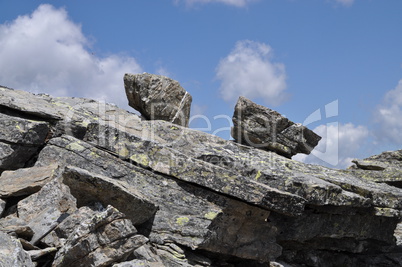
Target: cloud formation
388,117
249,71
47,52
236,3
340,144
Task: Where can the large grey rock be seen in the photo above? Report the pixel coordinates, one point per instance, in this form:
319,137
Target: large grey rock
158,97
188,215
19,140
218,199
106,237
88,188
12,253
263,128
25,181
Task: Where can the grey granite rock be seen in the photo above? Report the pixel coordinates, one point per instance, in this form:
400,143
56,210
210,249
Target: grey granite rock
263,128
158,97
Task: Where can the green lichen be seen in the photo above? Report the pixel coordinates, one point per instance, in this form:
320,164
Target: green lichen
258,175
75,147
211,215
182,220
141,159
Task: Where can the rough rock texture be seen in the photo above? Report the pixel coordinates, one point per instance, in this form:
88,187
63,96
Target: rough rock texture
264,128
12,253
105,188
20,139
383,168
158,97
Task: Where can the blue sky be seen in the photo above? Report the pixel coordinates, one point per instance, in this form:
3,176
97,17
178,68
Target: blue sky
295,56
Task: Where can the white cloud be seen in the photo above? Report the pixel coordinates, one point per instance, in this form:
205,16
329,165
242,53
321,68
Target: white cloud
340,143
47,52
345,2
388,117
249,71
236,3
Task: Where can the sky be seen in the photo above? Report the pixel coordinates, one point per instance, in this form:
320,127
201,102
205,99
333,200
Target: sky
333,65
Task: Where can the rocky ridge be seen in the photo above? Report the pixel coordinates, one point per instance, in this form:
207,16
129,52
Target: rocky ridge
88,184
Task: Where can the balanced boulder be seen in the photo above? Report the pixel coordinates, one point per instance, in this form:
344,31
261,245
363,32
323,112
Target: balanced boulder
263,128
158,97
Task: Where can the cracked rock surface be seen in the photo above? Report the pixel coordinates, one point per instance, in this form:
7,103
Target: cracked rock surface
84,183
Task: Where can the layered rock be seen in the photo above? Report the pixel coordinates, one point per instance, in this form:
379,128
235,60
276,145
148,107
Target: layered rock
105,188
263,128
158,97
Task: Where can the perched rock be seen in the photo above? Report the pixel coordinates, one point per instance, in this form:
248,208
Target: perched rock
104,238
11,252
263,128
158,98
25,181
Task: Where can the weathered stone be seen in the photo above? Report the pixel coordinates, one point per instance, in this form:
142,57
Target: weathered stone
383,168
158,97
44,210
88,188
19,140
11,252
173,163
219,202
25,181
188,215
369,165
104,238
263,128
12,224
36,254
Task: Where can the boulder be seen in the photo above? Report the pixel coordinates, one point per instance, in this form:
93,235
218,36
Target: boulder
158,97
263,128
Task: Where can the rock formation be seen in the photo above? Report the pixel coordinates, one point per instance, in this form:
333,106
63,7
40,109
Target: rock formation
88,184
263,128
158,97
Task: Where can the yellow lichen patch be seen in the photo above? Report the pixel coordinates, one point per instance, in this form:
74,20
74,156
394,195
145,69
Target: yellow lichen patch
211,215
258,175
182,220
123,152
19,128
141,159
174,128
75,147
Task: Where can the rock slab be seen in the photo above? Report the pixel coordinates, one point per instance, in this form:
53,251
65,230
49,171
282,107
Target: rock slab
158,98
263,128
